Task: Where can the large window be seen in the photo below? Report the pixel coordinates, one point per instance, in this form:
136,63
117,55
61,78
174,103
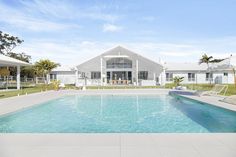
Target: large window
169,76
191,77
209,77
119,63
95,75
143,75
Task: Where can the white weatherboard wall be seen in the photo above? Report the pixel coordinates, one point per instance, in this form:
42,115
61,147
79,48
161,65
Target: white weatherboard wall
220,78
200,77
66,77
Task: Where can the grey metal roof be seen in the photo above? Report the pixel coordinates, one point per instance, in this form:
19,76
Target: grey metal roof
226,64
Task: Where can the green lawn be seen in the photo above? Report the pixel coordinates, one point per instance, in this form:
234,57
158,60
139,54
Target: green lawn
39,88
24,91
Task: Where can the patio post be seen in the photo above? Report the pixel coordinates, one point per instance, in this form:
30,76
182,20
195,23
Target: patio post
18,77
76,77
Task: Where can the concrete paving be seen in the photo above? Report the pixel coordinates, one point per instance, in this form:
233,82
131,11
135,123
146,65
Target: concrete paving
117,145
213,100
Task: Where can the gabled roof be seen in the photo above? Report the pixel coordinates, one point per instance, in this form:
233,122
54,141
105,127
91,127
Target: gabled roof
8,61
119,50
116,52
226,64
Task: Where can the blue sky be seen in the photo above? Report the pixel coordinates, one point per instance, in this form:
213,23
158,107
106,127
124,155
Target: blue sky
72,31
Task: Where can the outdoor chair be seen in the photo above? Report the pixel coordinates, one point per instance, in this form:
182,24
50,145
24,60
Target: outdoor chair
216,90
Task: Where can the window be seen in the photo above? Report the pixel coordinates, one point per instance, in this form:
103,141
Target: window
169,76
53,76
129,75
95,75
143,75
82,75
209,77
119,63
191,77
225,74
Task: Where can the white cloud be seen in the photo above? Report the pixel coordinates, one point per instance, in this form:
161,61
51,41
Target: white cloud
76,52
111,28
64,10
16,19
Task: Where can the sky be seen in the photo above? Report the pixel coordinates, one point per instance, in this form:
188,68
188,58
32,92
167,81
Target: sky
73,31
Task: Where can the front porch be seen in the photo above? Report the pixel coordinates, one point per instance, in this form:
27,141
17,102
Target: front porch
119,77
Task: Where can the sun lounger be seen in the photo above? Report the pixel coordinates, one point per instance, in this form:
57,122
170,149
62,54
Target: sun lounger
216,90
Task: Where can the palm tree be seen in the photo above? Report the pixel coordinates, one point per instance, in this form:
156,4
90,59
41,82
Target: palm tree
205,59
209,59
45,67
178,80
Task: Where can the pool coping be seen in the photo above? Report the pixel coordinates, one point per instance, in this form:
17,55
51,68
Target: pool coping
210,100
118,145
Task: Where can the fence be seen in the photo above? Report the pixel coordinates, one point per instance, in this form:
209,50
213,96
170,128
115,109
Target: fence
11,82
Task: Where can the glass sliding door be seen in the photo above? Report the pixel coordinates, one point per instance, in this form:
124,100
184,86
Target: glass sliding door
119,77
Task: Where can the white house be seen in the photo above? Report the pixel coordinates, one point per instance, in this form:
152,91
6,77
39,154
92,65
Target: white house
66,74
195,73
120,66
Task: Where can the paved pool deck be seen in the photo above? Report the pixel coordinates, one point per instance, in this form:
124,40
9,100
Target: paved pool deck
117,145
110,145
213,100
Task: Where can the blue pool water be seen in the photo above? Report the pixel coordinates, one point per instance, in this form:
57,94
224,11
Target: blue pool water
120,114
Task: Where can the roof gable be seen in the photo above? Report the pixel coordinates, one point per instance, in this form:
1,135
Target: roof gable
117,51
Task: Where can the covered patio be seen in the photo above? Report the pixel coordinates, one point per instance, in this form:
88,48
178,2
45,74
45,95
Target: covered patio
6,61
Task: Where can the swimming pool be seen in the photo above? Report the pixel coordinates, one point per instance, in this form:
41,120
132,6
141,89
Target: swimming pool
120,114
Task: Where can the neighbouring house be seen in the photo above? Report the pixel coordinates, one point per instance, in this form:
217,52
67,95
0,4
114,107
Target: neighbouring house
120,66
66,74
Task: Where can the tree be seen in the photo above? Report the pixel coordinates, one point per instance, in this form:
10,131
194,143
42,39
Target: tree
44,67
209,59
178,80
4,72
20,56
8,43
205,59
25,71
